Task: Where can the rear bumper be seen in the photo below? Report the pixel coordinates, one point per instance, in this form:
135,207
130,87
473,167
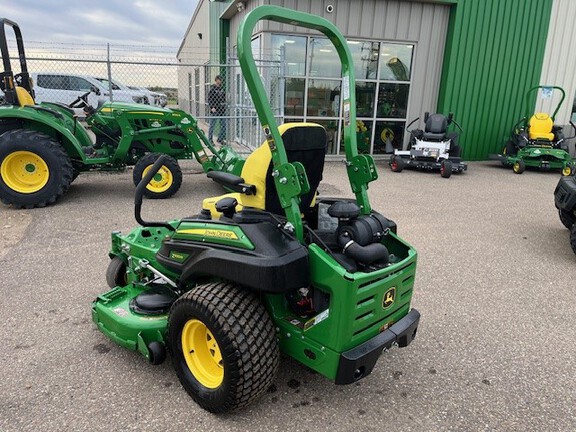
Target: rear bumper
359,361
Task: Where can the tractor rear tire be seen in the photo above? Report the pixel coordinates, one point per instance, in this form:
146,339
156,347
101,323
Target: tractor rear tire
164,184
35,171
397,164
567,218
446,169
223,345
116,273
573,238
519,166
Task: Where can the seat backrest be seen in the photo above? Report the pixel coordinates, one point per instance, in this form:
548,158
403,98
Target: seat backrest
24,98
540,126
436,123
304,143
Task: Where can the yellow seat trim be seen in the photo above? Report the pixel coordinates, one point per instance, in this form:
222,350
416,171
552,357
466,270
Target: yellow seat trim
540,127
24,98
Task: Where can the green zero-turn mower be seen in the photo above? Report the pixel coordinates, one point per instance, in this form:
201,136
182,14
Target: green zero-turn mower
43,147
269,269
537,142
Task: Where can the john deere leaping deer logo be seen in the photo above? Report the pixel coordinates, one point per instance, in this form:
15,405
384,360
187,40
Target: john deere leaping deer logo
388,299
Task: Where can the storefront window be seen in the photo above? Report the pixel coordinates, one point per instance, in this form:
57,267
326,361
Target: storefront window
365,57
388,136
323,58
365,96
323,98
294,98
392,100
396,62
294,53
312,85
363,136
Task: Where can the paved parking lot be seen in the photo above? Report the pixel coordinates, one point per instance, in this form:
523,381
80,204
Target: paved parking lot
496,287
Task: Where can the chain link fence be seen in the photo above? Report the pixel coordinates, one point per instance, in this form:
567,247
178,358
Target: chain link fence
153,76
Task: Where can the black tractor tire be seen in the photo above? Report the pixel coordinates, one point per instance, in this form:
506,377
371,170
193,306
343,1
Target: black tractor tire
573,238
170,172
567,218
397,164
245,338
38,159
446,169
519,167
116,273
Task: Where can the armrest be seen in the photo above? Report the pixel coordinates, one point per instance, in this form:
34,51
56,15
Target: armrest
232,182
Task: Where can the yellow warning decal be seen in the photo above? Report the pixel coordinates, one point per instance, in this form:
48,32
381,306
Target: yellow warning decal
206,232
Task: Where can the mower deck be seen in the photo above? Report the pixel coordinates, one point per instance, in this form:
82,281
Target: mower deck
458,166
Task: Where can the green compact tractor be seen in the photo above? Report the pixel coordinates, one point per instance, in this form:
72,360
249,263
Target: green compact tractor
270,268
537,142
43,147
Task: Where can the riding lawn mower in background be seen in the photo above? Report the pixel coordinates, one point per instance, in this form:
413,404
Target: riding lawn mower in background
433,148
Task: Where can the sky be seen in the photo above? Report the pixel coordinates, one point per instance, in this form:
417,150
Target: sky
129,22
67,29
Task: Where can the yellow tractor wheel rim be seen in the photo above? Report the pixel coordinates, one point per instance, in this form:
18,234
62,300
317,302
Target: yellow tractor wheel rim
202,354
161,181
516,167
24,172
566,171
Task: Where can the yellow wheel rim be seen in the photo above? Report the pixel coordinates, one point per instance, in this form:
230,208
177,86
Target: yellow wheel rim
516,167
24,172
202,354
161,181
566,171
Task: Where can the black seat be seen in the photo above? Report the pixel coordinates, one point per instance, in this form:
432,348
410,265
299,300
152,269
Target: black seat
304,143
435,128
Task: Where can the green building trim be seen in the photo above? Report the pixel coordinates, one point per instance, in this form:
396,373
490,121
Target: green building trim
494,54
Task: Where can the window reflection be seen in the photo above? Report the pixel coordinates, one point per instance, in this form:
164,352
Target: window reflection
388,136
365,96
363,136
365,57
392,100
294,53
294,98
396,62
323,58
323,98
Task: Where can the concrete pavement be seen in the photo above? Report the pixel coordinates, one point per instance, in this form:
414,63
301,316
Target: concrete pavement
495,285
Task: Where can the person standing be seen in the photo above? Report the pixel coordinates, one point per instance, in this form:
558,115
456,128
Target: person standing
217,106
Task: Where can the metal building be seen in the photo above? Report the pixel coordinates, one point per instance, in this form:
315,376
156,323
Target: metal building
474,58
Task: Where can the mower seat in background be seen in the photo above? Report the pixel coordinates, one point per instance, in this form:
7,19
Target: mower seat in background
24,98
304,143
540,127
435,128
